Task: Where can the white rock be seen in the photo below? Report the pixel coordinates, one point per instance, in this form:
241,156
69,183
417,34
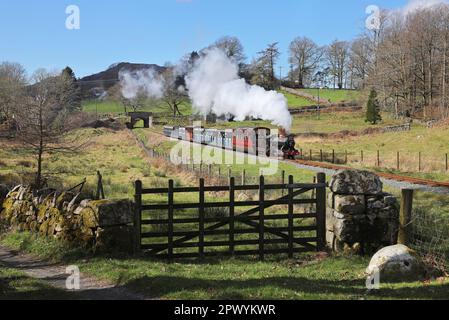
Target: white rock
396,264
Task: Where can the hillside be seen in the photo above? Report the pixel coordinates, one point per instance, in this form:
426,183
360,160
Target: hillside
104,80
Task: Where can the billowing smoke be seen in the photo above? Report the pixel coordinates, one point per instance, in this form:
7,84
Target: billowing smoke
215,87
146,82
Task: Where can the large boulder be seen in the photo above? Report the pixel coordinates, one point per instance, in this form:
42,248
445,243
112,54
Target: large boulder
355,182
397,263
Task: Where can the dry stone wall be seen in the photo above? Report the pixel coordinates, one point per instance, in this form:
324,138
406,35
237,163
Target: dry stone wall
361,218
104,225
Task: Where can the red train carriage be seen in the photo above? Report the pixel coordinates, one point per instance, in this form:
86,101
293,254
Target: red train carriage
252,140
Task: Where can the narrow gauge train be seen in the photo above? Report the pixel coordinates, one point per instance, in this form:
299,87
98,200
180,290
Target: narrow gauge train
254,141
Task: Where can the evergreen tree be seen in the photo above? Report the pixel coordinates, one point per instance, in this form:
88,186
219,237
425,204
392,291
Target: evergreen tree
70,90
373,109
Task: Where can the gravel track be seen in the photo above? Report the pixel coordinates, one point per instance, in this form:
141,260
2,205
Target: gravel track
55,275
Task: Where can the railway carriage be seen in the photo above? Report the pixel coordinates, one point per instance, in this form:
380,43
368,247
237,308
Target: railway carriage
189,134
254,141
198,135
228,136
168,131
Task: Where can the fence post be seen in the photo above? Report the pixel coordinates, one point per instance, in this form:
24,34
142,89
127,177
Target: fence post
346,156
419,162
321,155
229,173
283,181
201,219
137,216
290,217
333,156
100,190
398,163
219,172
378,158
405,216
231,214
361,156
310,155
261,217
170,218
321,211
447,163
243,177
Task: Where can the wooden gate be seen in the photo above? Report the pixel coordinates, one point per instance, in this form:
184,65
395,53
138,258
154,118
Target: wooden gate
166,230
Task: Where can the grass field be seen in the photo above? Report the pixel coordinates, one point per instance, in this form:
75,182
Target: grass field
334,95
295,101
432,143
116,107
122,162
305,277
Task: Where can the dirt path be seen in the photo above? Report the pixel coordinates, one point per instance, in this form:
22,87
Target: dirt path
55,275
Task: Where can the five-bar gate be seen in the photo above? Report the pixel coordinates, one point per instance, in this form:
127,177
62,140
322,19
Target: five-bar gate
170,230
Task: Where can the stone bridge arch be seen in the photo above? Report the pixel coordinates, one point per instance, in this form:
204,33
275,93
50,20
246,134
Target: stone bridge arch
146,117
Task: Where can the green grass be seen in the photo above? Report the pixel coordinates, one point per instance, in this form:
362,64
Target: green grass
432,143
305,277
120,160
114,154
295,101
16,285
116,107
158,107
334,95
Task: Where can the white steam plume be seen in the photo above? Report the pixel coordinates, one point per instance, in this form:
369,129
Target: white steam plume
214,86
146,82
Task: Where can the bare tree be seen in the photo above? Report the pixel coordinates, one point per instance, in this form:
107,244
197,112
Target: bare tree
12,83
360,61
337,57
305,56
174,91
263,67
232,47
43,118
411,63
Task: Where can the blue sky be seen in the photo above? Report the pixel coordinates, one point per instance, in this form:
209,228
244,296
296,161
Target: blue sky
33,33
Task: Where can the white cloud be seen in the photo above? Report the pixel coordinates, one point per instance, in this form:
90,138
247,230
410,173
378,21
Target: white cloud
414,5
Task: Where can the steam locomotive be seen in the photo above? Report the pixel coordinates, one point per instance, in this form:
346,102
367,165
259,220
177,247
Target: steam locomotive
256,141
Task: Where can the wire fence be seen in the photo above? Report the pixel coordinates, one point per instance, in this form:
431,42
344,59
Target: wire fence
430,234
401,161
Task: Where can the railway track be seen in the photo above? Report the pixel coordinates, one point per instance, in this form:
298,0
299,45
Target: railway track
389,176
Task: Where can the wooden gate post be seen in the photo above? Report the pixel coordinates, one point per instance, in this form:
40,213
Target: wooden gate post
405,216
321,211
231,215
261,218
290,217
170,218
201,219
137,216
